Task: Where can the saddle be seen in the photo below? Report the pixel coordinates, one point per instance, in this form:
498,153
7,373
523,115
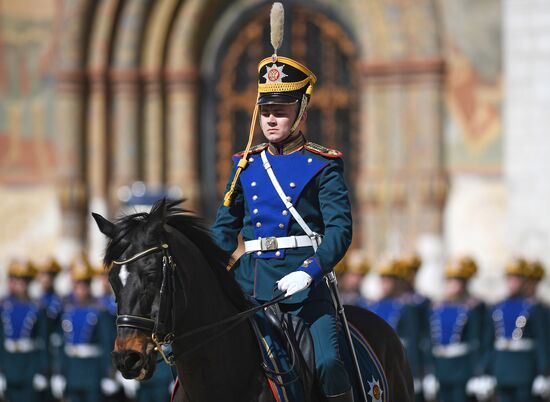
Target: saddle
292,334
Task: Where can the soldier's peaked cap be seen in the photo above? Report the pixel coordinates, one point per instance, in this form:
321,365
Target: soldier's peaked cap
282,80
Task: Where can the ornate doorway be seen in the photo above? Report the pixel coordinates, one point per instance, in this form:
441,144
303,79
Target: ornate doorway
313,37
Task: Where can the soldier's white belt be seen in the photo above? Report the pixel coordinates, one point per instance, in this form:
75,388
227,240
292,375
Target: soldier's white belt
82,351
23,345
451,350
276,243
514,345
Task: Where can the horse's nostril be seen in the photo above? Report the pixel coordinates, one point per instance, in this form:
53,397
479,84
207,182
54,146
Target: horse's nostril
133,361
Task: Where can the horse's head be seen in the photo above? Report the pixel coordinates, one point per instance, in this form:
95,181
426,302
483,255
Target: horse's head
138,263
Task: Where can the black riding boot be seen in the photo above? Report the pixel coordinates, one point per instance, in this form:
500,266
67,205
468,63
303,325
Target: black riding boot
345,397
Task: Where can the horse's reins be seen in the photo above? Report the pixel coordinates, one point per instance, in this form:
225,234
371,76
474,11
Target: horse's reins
152,326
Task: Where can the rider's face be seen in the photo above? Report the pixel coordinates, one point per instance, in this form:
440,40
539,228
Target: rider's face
276,121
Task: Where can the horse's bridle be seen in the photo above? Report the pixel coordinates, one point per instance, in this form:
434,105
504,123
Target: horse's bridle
148,324
152,326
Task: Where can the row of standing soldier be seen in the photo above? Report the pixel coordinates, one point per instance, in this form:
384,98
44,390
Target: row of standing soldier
59,348
460,348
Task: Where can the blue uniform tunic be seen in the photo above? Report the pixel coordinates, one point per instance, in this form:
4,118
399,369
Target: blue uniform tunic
314,181
23,353
401,315
456,332
88,341
519,337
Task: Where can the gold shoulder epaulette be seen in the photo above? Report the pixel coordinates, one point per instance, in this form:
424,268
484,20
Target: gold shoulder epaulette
324,151
256,149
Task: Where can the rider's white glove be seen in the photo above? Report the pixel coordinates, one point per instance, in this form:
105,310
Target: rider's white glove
39,382
109,386
294,282
430,386
58,384
130,386
541,387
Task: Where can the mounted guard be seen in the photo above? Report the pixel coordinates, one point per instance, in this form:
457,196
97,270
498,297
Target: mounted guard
289,200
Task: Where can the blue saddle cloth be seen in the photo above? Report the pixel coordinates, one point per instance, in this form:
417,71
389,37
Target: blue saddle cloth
288,386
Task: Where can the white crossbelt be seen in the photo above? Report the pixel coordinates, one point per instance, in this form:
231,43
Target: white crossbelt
314,237
451,350
514,345
83,350
276,243
23,345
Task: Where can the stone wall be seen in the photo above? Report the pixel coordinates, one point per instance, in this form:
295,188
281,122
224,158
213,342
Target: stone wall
527,118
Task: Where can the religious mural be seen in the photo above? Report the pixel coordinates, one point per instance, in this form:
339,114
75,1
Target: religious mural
27,115
473,84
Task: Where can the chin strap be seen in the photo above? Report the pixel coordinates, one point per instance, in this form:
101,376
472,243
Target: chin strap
244,161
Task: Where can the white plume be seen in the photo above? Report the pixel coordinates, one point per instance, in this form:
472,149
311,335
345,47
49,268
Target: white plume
277,20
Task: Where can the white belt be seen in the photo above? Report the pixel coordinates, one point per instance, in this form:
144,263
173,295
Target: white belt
23,345
83,350
451,350
275,243
514,345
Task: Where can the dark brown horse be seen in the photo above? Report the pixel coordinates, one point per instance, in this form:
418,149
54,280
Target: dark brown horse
170,279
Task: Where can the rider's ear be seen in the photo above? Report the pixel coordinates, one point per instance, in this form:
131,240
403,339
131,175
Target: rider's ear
106,227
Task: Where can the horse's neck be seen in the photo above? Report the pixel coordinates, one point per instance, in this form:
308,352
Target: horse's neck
225,365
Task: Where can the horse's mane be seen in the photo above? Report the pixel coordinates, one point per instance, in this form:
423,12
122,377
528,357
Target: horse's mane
193,228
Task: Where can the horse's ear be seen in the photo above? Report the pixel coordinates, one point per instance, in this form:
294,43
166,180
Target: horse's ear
106,227
158,212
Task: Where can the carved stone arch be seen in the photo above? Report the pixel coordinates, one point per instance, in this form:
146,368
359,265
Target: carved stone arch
238,42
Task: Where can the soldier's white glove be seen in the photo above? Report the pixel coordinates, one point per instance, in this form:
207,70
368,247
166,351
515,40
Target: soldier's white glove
58,383
109,386
482,387
130,386
294,282
417,385
2,385
39,382
430,385
541,387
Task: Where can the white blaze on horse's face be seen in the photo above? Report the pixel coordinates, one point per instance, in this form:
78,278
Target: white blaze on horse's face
123,275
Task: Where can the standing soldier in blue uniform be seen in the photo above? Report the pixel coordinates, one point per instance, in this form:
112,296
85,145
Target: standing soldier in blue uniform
456,326
23,335
53,305
397,309
296,234
108,303
519,337
351,277
85,360
541,385
421,305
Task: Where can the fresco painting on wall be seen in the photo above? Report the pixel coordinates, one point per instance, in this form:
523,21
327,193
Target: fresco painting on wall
27,141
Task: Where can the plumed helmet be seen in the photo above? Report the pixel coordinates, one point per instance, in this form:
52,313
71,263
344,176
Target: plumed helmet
519,267
16,269
463,267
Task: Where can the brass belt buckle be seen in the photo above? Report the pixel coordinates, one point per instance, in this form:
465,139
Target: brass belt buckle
269,243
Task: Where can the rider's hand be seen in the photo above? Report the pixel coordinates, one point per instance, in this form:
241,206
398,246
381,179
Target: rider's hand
294,282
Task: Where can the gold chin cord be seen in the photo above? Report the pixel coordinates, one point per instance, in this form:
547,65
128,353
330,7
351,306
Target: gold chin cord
244,161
